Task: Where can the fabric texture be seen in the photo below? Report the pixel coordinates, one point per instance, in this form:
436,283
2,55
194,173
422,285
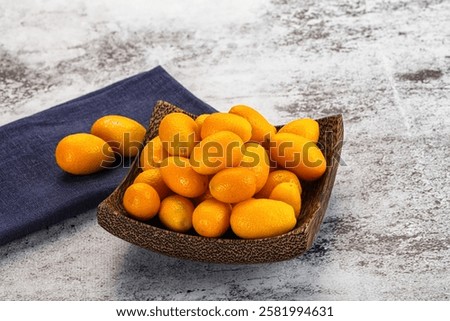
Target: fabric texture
34,191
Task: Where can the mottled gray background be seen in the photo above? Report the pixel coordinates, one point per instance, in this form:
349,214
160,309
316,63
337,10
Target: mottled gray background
385,65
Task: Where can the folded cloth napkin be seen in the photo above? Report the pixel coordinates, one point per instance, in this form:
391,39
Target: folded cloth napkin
34,191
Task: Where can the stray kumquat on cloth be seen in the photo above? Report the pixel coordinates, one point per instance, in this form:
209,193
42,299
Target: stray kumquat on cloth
124,134
83,153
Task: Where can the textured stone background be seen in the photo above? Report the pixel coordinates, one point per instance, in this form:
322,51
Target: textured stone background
385,65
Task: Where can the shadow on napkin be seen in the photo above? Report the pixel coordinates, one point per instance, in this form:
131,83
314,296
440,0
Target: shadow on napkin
34,192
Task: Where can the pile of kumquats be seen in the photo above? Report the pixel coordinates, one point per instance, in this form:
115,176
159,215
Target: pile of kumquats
216,172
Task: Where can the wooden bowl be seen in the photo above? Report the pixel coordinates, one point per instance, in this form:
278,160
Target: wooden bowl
228,249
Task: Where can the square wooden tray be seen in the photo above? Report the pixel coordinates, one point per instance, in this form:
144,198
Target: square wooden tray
112,216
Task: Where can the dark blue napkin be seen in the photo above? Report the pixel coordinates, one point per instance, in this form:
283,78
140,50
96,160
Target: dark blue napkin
34,192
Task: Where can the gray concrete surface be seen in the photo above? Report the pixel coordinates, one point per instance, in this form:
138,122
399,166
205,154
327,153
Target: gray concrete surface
385,65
